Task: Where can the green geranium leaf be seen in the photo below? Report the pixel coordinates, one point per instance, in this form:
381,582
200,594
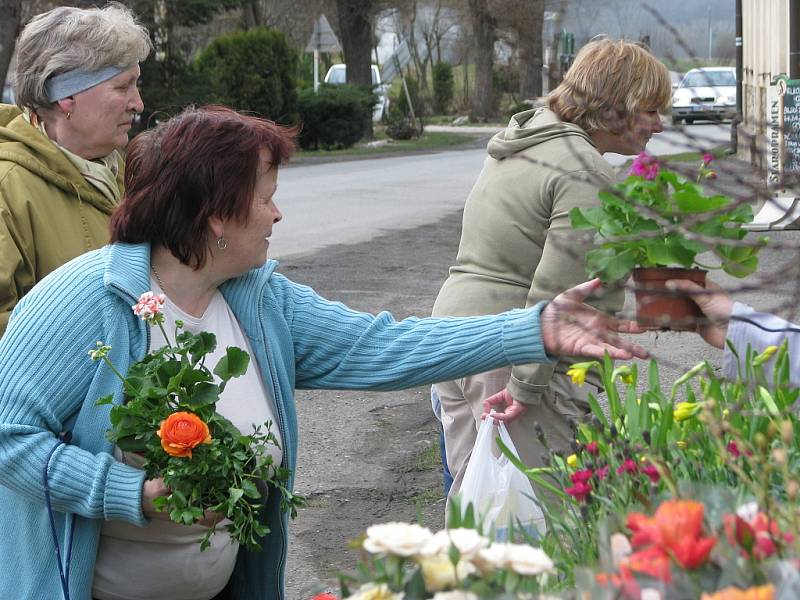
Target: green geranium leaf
203,394
233,364
691,201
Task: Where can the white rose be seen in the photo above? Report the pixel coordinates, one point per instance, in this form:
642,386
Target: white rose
370,591
467,541
527,560
495,556
400,539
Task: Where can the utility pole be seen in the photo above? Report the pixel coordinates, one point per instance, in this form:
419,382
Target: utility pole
710,32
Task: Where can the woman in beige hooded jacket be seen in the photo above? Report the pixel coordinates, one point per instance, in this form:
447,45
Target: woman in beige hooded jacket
517,247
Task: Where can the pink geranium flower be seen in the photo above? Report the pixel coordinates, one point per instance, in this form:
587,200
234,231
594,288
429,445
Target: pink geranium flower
645,166
149,306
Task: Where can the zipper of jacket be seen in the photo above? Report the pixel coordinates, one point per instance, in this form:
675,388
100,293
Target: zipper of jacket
277,392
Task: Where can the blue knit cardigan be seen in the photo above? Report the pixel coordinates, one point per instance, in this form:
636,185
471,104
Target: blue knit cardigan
300,340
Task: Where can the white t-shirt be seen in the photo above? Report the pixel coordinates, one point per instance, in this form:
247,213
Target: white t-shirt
163,560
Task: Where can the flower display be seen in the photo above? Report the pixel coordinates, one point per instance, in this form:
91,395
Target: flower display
181,431
458,563
169,417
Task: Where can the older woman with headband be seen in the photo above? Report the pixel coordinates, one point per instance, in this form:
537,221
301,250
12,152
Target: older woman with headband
61,171
517,246
195,221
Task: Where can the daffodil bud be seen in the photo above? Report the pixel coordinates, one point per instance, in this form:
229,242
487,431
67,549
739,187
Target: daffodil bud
787,432
768,353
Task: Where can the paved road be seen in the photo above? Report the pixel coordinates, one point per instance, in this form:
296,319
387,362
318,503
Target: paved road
351,202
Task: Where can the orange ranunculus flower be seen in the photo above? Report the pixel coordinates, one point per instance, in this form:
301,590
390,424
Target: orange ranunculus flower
676,528
762,592
182,431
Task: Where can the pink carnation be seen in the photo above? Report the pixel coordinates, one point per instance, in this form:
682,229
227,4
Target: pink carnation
580,491
627,466
593,448
707,159
148,306
645,166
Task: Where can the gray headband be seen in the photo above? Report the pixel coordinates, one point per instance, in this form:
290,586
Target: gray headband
77,80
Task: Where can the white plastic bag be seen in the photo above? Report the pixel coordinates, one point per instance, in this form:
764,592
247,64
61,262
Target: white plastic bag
501,495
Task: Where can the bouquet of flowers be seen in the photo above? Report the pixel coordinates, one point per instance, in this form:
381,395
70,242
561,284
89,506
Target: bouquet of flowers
409,562
169,418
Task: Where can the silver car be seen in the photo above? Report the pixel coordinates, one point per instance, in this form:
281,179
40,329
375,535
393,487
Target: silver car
705,93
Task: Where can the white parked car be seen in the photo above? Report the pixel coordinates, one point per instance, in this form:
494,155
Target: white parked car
705,93
337,75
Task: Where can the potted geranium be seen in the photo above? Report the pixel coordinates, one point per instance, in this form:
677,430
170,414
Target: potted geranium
655,224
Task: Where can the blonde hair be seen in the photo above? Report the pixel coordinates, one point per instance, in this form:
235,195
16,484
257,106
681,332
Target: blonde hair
609,82
67,38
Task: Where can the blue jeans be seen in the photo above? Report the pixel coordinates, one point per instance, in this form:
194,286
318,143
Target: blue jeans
437,410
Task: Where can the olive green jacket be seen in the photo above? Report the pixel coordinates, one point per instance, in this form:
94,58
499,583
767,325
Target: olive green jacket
49,213
517,247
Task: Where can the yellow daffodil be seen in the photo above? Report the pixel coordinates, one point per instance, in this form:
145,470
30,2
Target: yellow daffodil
682,444
572,461
768,353
624,373
686,410
578,371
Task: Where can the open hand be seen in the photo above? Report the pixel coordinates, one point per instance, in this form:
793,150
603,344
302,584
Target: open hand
571,327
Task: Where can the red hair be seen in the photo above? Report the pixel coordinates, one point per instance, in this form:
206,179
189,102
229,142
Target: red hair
201,163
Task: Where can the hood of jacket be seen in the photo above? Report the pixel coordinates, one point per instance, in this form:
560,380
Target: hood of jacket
24,145
531,128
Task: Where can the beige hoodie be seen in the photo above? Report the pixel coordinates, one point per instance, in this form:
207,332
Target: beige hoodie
517,247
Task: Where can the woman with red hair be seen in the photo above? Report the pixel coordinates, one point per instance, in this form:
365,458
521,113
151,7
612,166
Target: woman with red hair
194,224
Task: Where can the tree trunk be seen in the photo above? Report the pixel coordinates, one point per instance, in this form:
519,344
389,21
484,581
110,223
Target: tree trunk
483,29
253,13
9,28
355,26
529,43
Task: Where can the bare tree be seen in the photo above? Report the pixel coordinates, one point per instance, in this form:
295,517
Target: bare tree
484,34
9,28
355,26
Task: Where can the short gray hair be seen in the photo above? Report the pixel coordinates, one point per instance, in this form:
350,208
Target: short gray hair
67,38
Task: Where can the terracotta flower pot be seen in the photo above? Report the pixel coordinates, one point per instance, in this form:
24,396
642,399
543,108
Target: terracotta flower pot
663,309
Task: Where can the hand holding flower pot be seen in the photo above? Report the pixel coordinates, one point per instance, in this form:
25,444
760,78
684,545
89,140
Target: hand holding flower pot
656,219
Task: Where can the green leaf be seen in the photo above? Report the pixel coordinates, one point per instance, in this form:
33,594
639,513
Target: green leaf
203,394
233,364
692,201
105,400
234,494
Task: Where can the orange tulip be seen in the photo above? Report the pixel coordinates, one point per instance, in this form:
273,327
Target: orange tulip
652,561
181,432
677,529
762,592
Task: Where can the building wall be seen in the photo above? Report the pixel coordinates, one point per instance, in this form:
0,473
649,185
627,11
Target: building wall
765,28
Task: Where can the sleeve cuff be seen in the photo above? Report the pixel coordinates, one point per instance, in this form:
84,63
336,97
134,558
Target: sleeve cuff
522,336
123,499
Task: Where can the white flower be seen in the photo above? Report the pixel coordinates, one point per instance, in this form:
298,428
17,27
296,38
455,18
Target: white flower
400,539
467,541
748,511
370,591
495,556
527,560
520,558
455,595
